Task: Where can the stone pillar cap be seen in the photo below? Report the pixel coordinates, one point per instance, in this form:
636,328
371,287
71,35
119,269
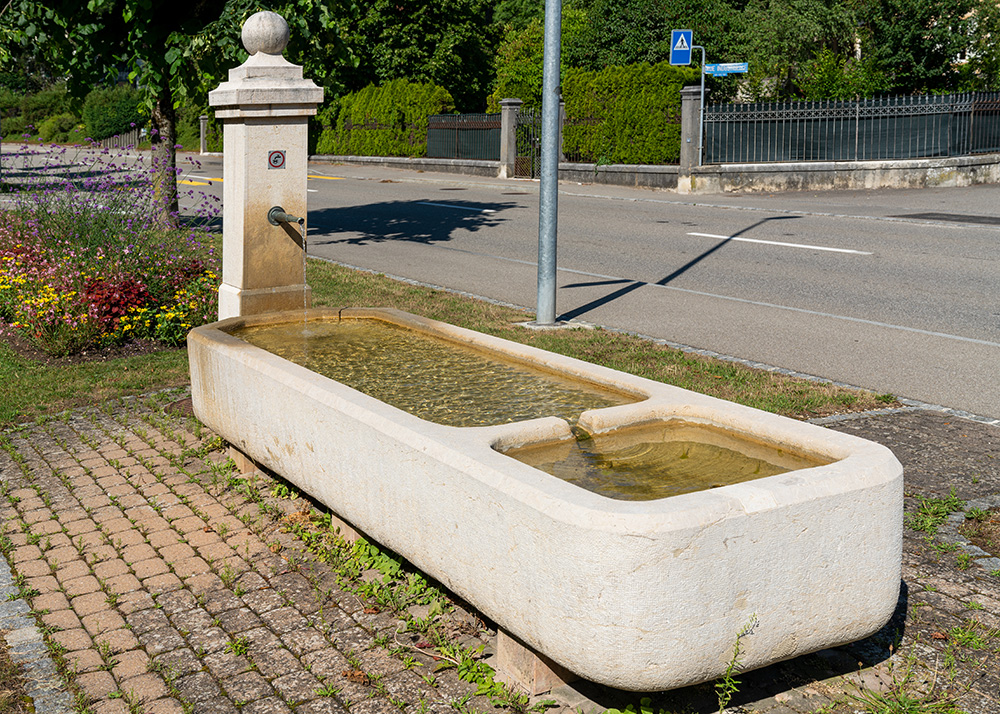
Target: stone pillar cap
266,79
265,32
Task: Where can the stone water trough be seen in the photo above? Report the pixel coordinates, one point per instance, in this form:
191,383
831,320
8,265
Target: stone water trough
639,595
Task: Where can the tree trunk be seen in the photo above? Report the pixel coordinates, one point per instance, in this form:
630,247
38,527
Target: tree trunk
164,155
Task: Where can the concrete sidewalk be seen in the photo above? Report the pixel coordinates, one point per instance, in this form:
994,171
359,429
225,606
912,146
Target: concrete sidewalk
162,587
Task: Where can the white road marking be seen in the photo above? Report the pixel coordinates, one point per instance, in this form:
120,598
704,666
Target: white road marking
461,208
846,318
312,190
784,245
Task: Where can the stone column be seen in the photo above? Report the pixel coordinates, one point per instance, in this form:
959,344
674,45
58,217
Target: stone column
203,133
265,108
509,109
690,116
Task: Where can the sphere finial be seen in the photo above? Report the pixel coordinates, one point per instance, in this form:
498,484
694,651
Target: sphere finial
265,32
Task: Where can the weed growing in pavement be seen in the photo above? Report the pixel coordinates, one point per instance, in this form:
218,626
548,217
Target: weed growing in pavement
727,685
904,696
238,646
932,512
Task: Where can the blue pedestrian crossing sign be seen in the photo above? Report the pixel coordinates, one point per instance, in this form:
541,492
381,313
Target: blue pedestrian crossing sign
680,47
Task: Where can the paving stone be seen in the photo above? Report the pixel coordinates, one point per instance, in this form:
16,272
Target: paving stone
81,586
26,552
222,601
270,705
191,620
176,602
45,585
179,662
191,567
130,664
120,640
50,601
163,583
62,619
197,687
203,583
136,555
261,601
219,705
164,539
212,639
274,662
299,686
225,664
247,687
90,603
72,571
110,706
134,602
323,705
162,639
123,584
325,663
304,641
284,619
145,687
97,685
239,620
34,568
103,621
84,660
176,552
75,639
167,705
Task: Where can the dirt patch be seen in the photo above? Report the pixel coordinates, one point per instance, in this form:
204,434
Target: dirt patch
983,530
26,350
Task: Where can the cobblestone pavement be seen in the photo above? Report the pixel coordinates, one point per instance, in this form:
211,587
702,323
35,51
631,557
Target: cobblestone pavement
162,588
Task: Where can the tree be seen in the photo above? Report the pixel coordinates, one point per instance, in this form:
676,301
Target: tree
784,37
174,54
621,32
917,43
450,43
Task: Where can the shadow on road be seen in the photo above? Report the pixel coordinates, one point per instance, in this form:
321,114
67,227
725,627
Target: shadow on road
634,285
414,221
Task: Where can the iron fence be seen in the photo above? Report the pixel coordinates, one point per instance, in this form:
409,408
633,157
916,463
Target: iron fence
463,136
528,130
121,141
869,129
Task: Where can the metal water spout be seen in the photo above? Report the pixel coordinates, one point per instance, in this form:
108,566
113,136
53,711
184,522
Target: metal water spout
277,215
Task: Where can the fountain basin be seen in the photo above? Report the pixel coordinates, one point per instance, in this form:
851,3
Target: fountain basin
639,595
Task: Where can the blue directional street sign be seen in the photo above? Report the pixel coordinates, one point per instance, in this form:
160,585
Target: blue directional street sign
680,46
722,70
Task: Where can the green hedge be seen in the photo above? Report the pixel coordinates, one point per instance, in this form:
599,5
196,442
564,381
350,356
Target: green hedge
112,111
625,115
388,120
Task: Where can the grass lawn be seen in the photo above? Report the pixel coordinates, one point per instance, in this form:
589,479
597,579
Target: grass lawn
29,389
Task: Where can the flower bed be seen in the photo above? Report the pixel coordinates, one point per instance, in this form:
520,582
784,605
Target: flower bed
85,262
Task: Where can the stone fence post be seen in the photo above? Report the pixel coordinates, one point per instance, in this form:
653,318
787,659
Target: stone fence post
203,130
509,110
690,115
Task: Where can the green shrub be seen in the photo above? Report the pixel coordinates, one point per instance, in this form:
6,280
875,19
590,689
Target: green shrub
36,108
60,129
14,127
388,120
112,111
625,115
10,102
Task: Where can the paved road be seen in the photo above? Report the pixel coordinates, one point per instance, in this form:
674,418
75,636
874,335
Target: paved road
890,290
